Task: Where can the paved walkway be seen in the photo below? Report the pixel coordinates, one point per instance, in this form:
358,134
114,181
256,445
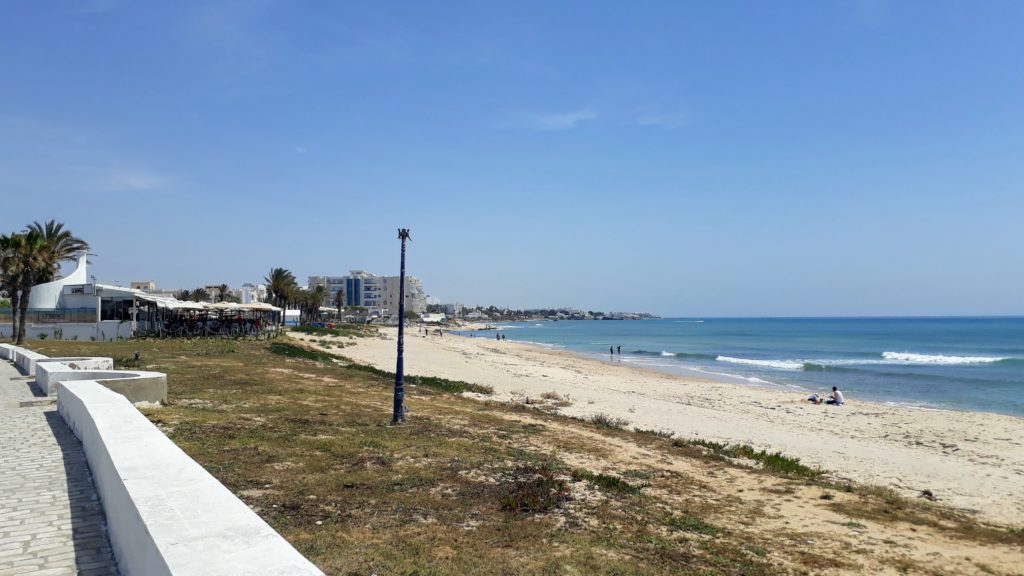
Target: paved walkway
51,521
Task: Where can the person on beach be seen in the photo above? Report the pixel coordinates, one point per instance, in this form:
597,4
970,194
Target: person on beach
619,350
611,350
836,398
497,336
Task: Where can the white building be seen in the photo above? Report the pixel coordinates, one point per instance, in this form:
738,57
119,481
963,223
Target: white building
253,293
378,293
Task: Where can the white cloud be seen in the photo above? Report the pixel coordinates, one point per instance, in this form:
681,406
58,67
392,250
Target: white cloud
668,121
564,121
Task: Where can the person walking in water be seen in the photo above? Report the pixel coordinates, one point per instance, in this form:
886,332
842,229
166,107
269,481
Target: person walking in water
611,350
619,349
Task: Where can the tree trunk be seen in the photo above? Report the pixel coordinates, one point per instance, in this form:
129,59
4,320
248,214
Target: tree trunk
25,292
15,307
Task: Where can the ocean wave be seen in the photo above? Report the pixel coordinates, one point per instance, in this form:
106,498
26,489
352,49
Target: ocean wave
687,321
692,355
778,364
911,358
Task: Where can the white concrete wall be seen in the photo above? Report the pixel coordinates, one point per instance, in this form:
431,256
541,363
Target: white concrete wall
48,372
165,514
26,359
48,295
107,330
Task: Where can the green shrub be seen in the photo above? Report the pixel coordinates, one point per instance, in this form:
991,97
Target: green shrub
605,421
607,482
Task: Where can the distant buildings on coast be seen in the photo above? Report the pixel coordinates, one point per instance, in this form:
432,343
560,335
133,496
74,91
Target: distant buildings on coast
367,290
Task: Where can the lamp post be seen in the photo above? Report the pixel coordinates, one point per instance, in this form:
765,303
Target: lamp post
398,417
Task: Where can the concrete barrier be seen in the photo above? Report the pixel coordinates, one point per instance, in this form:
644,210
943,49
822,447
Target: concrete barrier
135,385
26,360
166,515
7,351
46,370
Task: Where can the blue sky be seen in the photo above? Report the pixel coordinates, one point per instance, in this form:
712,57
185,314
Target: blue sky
686,158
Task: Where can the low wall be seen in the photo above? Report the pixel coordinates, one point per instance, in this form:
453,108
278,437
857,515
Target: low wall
135,385
106,330
26,359
47,370
166,515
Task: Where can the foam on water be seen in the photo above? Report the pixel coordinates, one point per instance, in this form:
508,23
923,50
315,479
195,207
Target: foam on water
911,358
778,364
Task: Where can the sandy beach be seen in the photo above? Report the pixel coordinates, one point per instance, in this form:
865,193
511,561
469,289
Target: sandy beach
969,460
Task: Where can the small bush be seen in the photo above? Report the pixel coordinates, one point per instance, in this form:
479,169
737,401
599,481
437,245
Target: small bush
443,384
291,351
534,489
775,462
126,362
656,433
689,524
605,421
41,336
607,482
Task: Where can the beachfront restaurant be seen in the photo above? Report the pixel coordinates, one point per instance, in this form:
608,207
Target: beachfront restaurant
71,309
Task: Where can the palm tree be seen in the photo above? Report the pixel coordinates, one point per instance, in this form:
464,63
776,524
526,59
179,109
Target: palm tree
318,294
11,269
200,295
222,293
183,295
281,285
339,301
32,257
61,246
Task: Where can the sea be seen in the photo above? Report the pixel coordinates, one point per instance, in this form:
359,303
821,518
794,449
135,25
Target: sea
972,364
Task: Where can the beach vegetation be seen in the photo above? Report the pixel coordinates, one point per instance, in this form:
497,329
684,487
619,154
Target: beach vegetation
533,489
656,433
339,331
293,351
495,488
602,420
689,524
775,462
607,482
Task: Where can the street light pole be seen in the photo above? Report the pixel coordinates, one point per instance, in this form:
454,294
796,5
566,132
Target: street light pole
398,416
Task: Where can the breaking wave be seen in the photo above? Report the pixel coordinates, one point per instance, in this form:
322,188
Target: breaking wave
777,364
911,358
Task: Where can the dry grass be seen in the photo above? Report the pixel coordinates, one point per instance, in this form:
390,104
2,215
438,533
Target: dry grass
470,487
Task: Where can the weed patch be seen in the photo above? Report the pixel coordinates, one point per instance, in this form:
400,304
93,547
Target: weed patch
689,524
607,482
605,421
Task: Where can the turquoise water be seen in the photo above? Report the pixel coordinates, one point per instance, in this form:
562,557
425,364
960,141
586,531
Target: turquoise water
943,363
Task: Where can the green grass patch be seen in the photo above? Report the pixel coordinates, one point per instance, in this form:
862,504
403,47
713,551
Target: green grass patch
689,524
533,489
608,482
292,351
340,330
774,462
666,434
442,384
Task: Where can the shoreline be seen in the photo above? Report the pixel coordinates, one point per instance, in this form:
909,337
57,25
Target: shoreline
969,460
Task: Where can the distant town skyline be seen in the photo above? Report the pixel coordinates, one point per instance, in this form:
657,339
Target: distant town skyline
849,158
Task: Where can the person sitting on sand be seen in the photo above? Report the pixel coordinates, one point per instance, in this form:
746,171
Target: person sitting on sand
814,399
836,398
